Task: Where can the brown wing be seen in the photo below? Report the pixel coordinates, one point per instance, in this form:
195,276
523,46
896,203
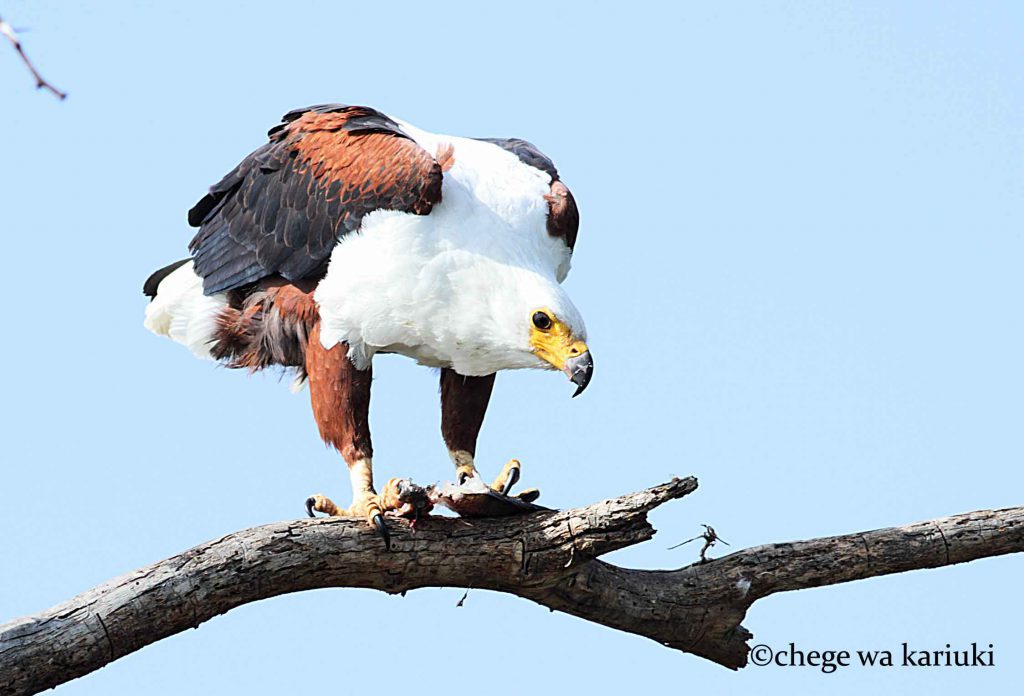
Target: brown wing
286,205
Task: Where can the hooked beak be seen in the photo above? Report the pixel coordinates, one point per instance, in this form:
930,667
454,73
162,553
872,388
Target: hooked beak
579,370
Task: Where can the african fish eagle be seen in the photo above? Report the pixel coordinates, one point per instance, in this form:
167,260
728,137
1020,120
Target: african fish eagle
352,233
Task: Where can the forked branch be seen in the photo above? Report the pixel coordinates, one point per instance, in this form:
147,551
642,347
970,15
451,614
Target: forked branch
547,557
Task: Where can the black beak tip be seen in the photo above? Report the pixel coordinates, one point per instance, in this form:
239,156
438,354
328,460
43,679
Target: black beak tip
580,369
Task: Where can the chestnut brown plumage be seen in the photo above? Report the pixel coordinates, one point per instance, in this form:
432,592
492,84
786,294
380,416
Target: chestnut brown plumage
284,207
340,396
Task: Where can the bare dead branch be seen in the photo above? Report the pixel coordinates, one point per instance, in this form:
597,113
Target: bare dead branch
547,557
12,36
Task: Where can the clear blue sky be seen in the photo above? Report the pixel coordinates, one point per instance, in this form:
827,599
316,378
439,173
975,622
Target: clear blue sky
800,264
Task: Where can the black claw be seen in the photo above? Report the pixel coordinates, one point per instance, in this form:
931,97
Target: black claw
310,502
462,477
378,521
513,477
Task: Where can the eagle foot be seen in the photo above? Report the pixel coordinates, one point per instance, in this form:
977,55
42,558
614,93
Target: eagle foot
503,483
366,505
509,477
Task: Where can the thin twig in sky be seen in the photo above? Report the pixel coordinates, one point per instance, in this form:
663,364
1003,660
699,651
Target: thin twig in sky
12,36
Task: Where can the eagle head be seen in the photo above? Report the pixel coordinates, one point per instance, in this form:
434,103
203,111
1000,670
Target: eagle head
532,323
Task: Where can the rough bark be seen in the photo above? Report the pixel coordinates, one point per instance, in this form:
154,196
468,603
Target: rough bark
547,557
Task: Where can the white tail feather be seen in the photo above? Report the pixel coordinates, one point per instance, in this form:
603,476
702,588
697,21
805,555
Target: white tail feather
183,313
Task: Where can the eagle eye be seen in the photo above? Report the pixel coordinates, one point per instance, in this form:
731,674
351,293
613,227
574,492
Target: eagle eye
542,321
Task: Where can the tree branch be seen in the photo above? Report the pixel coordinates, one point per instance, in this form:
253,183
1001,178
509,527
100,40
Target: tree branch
8,31
547,557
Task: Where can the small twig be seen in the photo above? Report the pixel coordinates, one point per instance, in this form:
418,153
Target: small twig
710,537
461,601
12,36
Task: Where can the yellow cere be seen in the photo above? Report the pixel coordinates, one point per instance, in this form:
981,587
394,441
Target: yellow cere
552,340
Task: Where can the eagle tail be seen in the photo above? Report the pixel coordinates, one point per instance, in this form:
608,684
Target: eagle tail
267,325
179,310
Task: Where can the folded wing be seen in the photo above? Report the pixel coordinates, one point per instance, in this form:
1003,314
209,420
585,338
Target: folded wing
285,206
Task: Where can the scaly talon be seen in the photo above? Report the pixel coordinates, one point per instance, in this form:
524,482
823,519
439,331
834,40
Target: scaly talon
529,495
501,487
507,478
366,505
321,503
463,472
